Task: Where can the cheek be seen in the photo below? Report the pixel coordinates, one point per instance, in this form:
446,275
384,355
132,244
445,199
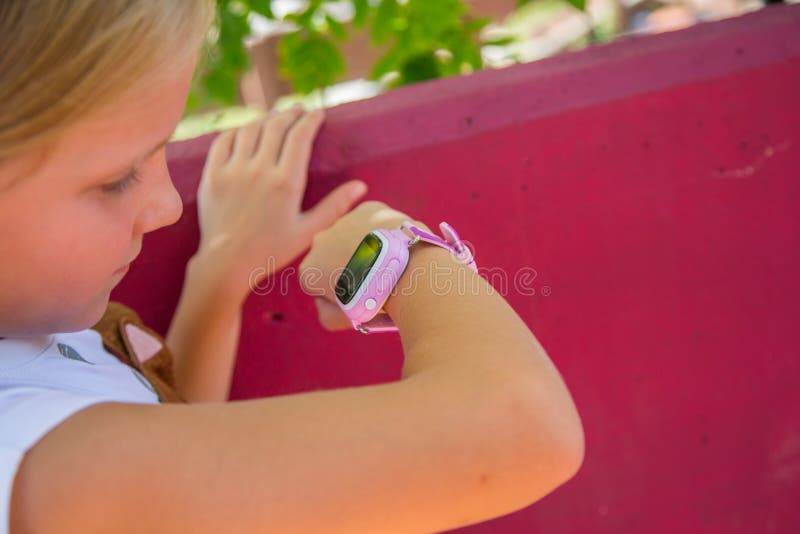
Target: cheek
102,228
58,260
75,243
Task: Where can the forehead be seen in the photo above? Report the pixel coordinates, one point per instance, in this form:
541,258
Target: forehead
108,139
120,132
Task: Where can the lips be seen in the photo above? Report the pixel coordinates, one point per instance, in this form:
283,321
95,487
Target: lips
127,266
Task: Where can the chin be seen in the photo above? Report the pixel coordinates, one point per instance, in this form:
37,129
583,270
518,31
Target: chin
85,317
64,314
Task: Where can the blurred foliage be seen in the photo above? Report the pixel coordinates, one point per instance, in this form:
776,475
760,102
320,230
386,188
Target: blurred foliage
578,4
423,39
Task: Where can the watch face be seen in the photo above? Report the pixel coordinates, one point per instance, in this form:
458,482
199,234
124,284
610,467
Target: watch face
358,267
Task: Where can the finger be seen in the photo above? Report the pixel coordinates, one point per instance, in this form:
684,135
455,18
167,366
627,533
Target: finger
332,207
331,317
296,151
245,141
220,149
313,281
275,128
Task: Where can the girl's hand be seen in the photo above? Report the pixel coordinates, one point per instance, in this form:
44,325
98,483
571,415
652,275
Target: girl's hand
332,249
250,195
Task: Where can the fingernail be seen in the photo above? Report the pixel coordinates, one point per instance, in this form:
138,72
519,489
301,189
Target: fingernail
359,189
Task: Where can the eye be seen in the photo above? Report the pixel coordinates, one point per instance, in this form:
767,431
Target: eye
120,186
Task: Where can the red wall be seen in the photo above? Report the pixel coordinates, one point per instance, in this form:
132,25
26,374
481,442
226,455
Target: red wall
654,186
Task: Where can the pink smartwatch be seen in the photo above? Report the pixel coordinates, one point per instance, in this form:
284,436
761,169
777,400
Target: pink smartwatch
377,265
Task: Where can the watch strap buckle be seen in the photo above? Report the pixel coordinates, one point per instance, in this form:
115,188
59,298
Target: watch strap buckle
451,241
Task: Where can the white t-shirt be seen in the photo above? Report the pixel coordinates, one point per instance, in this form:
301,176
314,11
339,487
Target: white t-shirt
44,380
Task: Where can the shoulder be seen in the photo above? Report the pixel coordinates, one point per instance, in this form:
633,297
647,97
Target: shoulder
27,413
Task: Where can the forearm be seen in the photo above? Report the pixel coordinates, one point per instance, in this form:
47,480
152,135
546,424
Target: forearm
449,315
469,337
204,334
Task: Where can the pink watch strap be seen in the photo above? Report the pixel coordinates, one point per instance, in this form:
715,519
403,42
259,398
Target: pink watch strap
452,242
378,324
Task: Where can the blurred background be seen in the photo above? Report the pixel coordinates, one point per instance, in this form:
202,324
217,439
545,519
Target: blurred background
262,54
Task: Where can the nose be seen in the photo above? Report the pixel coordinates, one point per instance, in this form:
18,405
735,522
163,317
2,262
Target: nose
163,205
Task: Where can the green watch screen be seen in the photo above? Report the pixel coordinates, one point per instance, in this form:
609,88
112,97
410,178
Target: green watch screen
357,268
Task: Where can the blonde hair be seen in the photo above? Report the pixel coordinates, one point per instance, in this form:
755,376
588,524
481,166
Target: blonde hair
61,59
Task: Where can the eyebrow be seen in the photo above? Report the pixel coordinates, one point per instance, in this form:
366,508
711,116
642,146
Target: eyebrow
119,172
156,148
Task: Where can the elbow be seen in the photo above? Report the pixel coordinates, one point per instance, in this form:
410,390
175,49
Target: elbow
567,437
531,442
547,424
570,449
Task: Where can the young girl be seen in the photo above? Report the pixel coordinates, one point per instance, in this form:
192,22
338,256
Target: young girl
90,90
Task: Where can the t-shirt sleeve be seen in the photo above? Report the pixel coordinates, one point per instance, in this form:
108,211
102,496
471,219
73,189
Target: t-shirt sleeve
26,415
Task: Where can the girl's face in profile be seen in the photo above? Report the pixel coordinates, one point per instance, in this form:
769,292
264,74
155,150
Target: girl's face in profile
71,223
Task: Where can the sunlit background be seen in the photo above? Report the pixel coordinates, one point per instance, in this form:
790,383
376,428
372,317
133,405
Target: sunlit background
264,54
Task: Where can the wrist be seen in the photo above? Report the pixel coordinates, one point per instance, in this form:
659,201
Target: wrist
207,276
432,272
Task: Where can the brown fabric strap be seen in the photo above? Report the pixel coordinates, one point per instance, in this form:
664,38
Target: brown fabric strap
118,340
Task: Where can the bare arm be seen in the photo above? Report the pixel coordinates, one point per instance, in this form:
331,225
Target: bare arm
478,427
468,339
204,334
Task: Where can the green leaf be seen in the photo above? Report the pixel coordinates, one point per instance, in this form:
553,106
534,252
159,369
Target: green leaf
192,101
383,23
389,62
233,29
420,68
474,58
221,85
337,28
577,4
427,19
309,61
361,8
262,7
476,25
500,41
233,26
305,18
